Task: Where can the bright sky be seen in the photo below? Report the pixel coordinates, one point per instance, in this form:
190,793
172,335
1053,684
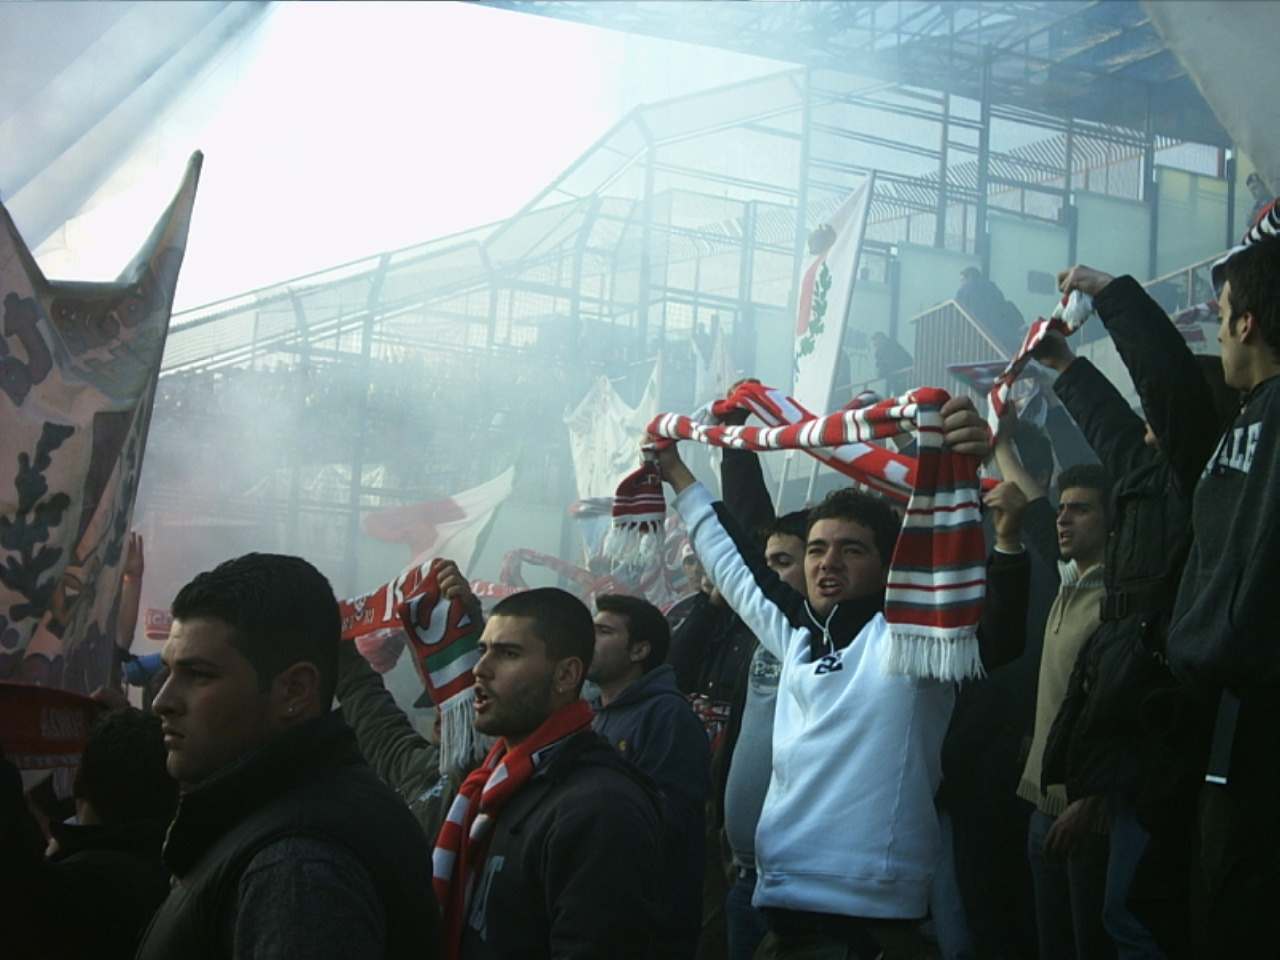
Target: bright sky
338,130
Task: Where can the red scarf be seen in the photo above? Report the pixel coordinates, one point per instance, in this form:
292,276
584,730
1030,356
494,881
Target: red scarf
937,577
463,842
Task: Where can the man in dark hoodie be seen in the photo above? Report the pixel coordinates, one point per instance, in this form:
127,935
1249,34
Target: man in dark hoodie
1221,638
643,714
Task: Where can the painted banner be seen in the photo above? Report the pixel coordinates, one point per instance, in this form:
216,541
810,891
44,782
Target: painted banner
826,289
78,369
604,434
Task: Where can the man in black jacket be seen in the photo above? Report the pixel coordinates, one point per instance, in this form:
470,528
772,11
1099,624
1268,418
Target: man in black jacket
1104,742
1221,635
572,865
645,717
284,842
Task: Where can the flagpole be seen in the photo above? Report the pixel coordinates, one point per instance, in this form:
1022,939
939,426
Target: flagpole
813,479
782,482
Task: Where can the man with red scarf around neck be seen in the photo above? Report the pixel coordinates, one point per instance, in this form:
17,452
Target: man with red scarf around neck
552,845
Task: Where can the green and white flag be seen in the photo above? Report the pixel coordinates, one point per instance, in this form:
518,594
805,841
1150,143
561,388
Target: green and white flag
825,291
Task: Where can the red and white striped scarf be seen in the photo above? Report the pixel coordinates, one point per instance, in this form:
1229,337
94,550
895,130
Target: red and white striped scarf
1067,317
463,841
937,577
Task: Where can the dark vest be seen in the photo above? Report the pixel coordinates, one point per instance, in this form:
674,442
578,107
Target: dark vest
314,783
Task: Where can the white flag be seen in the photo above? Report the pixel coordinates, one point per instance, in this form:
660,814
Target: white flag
605,434
823,305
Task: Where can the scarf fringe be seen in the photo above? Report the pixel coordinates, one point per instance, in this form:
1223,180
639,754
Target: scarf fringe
461,747
633,547
951,658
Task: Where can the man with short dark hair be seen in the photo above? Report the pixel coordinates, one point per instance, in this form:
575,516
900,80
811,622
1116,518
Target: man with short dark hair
647,719
1221,639
551,848
284,842
1066,845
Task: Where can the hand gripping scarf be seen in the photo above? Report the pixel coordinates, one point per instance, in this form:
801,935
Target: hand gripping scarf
443,637
937,577
1067,317
464,837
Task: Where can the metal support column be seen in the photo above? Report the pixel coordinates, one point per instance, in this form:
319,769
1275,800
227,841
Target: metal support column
940,221
981,246
802,236
745,327
1151,188
646,243
351,562
802,192
1230,173
1068,208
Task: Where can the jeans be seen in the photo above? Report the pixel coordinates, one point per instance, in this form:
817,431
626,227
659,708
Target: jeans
746,925
1129,842
1069,896
950,925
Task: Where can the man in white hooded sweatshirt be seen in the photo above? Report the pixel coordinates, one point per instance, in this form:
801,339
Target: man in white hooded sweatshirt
848,838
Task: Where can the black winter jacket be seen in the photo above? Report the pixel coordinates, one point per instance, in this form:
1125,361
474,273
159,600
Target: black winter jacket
94,897
1119,724
573,868
653,726
310,784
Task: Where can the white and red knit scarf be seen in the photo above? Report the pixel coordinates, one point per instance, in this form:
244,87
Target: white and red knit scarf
463,842
937,577
1067,317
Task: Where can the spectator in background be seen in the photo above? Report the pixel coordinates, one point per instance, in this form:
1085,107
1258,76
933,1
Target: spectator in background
406,761
983,754
284,841
893,363
646,718
747,753
985,302
1065,846
1120,734
95,892
556,835
1221,640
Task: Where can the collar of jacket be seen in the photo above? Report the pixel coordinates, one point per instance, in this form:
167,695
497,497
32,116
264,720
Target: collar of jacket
658,682
585,748
843,623
233,793
1071,575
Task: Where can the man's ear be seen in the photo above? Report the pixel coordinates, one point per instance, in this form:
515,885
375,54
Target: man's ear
1247,326
567,675
638,652
295,692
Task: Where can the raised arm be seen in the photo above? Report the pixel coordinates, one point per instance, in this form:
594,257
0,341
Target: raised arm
770,609
405,760
1176,399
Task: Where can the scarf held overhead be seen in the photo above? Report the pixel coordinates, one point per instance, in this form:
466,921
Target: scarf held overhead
1067,317
464,837
444,638
937,577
